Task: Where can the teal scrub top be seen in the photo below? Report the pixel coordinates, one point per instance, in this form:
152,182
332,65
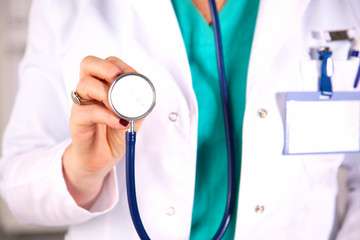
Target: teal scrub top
237,24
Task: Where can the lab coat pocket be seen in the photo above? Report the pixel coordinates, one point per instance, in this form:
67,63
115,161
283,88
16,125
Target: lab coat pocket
317,125
342,79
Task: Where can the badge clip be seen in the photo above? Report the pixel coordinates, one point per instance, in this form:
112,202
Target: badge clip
327,70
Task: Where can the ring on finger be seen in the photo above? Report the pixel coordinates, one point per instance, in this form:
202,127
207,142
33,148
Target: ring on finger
78,100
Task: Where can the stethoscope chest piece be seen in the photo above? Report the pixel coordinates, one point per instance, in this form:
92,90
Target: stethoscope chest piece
132,96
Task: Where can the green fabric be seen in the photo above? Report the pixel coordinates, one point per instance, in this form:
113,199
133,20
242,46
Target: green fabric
237,21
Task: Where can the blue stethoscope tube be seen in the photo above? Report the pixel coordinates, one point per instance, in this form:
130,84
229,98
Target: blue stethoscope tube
231,195
130,183
131,138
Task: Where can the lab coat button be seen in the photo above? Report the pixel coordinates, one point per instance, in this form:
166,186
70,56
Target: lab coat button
173,116
259,209
170,211
262,113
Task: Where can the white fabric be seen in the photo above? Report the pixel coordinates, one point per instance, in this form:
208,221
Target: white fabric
298,192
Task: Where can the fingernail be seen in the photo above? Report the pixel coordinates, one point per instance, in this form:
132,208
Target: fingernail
124,122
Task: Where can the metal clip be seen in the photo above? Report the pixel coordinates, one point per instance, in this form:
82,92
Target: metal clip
327,70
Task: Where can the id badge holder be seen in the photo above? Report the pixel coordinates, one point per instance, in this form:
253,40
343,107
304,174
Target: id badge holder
315,124
324,121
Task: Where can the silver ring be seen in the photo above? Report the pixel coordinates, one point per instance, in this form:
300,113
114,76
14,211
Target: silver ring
78,100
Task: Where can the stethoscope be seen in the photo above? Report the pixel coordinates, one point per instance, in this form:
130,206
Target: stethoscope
132,97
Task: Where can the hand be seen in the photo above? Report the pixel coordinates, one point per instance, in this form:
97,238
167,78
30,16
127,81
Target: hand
98,134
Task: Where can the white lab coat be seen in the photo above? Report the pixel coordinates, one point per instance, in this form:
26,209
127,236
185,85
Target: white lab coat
296,193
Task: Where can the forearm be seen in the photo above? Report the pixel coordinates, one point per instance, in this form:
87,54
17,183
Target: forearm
33,185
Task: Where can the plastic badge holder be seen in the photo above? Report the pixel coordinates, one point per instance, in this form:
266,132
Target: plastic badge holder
316,124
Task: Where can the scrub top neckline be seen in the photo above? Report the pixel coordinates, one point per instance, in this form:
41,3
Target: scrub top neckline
219,13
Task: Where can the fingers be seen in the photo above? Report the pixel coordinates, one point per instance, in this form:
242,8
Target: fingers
99,68
120,64
92,89
106,70
90,115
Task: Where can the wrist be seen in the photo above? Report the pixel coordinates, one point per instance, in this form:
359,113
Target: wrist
82,185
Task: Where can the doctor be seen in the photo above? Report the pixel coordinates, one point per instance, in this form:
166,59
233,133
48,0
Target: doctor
63,163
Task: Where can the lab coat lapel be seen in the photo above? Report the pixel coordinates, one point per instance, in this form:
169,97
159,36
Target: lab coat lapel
274,25
165,38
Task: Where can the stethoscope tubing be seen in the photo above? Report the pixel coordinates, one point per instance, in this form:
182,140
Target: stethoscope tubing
130,185
131,139
228,125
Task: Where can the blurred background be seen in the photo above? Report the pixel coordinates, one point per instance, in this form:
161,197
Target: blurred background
13,26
